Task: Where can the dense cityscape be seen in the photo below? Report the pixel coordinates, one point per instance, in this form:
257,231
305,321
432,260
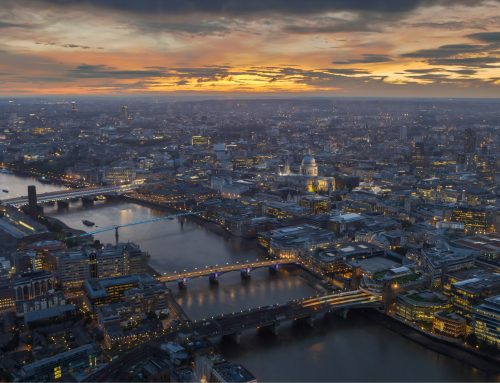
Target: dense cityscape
387,207
249,191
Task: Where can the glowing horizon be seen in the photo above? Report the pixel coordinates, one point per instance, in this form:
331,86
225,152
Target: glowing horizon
337,48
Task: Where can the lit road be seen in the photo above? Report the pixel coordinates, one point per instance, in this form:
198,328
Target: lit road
69,194
209,270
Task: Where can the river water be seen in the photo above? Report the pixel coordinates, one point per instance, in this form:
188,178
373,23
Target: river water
355,349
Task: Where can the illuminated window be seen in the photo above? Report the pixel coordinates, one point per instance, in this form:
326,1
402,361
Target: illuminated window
57,372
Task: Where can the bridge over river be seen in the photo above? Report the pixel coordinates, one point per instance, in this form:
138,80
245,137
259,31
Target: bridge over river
215,271
271,316
65,195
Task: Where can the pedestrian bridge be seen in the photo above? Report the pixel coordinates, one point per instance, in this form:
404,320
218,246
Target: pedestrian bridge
65,195
215,271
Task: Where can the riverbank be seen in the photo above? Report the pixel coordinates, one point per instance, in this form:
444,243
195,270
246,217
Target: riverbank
212,226
485,363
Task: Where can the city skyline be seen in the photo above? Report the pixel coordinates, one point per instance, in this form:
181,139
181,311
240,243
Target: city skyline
225,48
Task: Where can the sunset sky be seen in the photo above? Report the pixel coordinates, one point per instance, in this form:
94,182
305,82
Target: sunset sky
447,48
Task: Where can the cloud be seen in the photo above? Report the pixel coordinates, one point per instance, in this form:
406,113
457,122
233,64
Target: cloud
429,70
67,45
487,37
190,27
6,24
445,51
347,71
104,71
248,7
475,62
464,71
322,24
469,55
367,58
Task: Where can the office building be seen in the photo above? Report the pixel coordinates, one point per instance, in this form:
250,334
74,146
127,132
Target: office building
420,306
99,292
72,268
486,321
469,141
449,324
62,366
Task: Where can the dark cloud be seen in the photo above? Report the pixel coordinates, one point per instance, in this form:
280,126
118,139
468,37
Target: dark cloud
435,70
192,27
445,51
66,45
431,77
469,55
450,25
429,70
233,7
367,58
464,71
104,71
475,62
318,25
346,71
6,24
487,37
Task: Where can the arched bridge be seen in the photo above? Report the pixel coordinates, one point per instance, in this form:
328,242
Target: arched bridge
215,271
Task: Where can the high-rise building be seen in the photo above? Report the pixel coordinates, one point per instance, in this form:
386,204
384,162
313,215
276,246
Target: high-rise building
403,133
469,141
485,167
32,201
125,112
418,159
73,106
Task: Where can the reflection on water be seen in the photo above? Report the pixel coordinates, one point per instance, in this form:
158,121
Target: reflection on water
202,300
18,186
356,349
172,246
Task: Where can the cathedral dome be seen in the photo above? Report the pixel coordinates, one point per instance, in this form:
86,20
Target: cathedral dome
308,167
308,161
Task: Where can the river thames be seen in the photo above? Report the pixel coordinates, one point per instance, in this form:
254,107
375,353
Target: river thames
355,349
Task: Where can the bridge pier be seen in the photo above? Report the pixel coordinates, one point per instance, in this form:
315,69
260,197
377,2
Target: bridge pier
274,328
343,313
245,274
87,201
62,204
182,283
273,269
310,320
237,337
213,279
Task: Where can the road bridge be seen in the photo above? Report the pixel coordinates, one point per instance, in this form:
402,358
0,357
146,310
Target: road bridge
65,195
215,271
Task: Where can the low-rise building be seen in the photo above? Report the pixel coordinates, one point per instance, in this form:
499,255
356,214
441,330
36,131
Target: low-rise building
420,306
449,324
486,321
80,360
470,292
99,292
337,258
294,241
73,268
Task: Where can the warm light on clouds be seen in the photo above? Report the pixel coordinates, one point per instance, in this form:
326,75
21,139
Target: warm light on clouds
323,47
